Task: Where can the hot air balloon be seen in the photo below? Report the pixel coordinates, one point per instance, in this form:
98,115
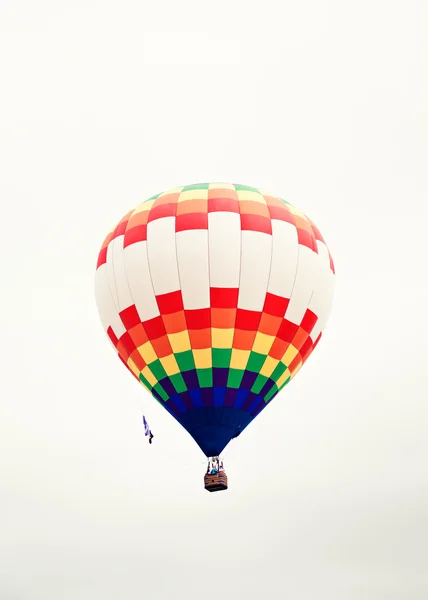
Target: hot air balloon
214,296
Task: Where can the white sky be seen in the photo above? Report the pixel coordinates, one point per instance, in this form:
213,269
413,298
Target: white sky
103,104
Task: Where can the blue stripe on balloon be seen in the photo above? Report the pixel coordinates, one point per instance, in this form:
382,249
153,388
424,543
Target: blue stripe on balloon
219,394
179,403
258,409
172,408
196,397
254,404
240,398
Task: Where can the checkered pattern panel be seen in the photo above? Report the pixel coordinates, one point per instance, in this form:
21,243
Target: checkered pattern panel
214,295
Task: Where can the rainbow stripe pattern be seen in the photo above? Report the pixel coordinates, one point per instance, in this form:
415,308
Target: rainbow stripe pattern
214,296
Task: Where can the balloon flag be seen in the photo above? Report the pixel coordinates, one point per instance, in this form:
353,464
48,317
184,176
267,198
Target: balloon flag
214,296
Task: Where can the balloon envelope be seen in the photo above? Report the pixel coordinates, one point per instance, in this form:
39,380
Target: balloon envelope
214,296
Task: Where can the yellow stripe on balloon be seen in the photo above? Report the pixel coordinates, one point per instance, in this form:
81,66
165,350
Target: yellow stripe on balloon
269,366
180,342
193,195
147,352
203,358
263,343
283,378
222,338
239,358
289,355
133,367
248,195
149,376
170,365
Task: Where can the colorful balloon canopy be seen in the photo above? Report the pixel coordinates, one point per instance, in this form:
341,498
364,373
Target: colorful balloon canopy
214,296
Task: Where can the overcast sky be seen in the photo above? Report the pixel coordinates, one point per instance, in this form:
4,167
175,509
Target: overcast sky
103,104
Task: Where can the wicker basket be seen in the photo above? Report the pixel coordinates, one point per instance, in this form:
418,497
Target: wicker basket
215,482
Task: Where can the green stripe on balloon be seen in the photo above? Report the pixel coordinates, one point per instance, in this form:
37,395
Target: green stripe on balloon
195,186
185,360
221,357
159,389
157,369
152,197
205,377
178,382
255,362
246,188
145,381
278,371
259,383
234,378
